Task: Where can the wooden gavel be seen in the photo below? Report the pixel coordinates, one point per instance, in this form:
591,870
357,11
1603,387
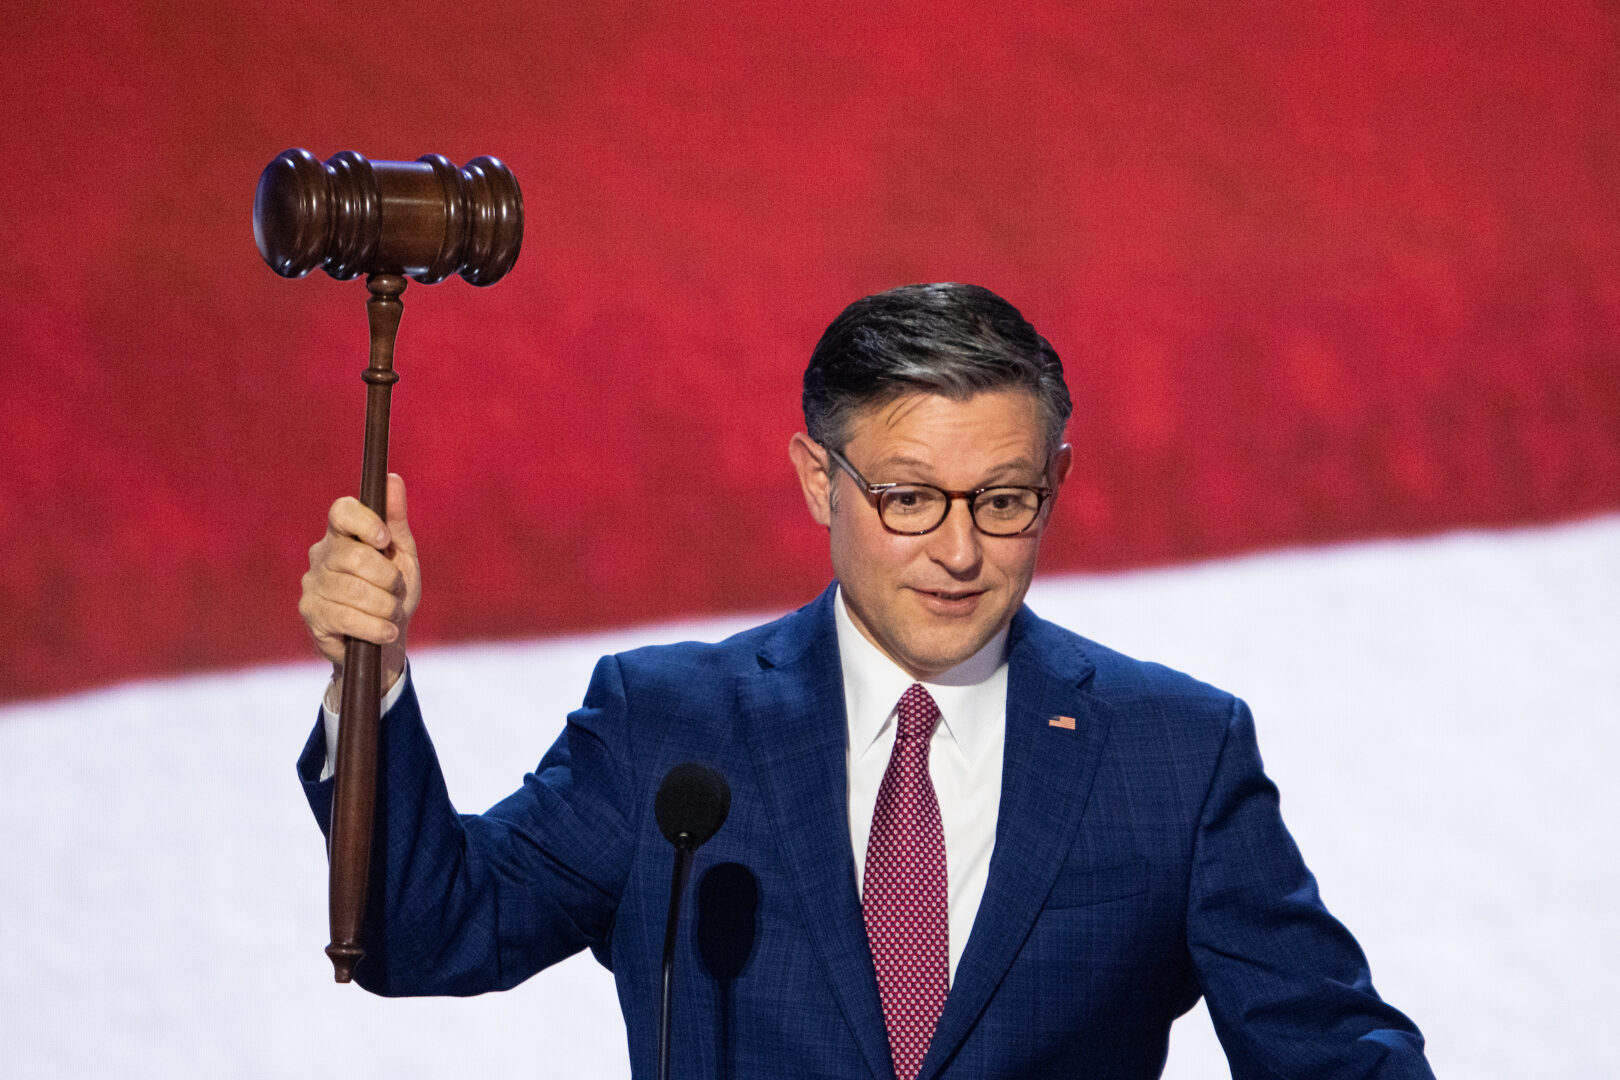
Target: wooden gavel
423,219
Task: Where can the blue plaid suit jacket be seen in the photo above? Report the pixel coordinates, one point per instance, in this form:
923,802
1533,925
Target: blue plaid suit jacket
1140,861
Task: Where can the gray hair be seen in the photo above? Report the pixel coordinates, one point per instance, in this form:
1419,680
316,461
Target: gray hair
946,338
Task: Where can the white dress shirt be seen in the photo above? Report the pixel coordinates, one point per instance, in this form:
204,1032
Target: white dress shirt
964,757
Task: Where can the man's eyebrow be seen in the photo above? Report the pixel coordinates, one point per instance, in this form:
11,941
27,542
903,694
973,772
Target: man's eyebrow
1021,466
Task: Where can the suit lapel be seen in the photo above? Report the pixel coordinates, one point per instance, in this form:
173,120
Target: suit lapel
1046,777
793,710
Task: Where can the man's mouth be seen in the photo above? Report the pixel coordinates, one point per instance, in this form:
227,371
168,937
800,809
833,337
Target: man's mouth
950,601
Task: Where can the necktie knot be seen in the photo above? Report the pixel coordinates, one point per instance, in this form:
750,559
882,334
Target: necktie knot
918,713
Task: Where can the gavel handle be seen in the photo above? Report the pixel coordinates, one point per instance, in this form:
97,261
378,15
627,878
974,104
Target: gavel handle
354,794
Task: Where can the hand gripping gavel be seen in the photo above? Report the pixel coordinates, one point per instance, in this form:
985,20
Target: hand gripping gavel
424,219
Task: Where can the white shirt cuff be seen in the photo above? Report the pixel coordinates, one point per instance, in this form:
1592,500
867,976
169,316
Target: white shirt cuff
329,720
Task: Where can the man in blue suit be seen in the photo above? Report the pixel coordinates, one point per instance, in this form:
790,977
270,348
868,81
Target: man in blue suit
963,842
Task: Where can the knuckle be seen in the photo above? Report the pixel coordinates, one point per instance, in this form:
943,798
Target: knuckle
332,552
351,590
366,628
344,621
347,516
352,559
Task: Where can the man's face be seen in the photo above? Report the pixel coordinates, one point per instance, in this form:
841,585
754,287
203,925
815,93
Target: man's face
932,601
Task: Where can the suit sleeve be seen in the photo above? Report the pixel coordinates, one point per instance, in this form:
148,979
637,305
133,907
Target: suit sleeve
1288,987
462,904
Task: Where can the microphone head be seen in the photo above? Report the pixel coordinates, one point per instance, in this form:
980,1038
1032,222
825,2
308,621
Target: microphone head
693,799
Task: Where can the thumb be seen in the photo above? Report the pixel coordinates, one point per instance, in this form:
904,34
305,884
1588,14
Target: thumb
398,529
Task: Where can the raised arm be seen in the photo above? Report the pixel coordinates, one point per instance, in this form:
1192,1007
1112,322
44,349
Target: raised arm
462,904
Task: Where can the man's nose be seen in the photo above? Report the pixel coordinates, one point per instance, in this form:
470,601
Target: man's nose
957,543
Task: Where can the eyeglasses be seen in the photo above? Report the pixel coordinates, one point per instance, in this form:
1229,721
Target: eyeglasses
914,509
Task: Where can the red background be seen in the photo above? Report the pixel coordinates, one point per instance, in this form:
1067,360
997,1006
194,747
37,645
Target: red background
1317,272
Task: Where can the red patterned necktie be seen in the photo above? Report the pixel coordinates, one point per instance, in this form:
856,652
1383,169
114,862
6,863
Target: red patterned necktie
904,894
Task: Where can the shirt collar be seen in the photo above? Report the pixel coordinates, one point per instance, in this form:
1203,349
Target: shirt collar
970,695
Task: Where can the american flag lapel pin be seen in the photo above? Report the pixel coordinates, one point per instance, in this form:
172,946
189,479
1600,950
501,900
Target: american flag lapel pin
1064,722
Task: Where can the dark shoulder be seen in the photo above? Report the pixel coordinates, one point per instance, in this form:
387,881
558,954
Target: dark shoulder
679,666
1136,688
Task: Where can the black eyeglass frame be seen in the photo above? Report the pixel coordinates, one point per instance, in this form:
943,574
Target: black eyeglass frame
874,495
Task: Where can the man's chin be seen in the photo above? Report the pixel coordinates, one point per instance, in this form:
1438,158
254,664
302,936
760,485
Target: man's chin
934,655
927,642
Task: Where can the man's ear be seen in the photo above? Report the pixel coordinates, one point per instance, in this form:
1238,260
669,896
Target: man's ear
1062,462
808,459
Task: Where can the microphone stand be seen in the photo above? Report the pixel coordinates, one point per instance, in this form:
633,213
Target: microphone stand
691,805
684,847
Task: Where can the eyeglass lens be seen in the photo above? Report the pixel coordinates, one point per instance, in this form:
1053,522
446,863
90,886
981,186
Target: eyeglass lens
919,508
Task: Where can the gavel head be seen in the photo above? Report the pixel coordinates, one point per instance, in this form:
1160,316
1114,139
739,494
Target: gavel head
425,219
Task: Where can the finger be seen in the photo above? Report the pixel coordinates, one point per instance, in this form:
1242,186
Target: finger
371,566
329,622
328,644
396,499
398,527
352,518
340,556
326,624
356,592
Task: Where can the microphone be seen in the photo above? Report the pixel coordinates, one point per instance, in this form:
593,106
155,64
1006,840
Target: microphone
691,805
692,802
